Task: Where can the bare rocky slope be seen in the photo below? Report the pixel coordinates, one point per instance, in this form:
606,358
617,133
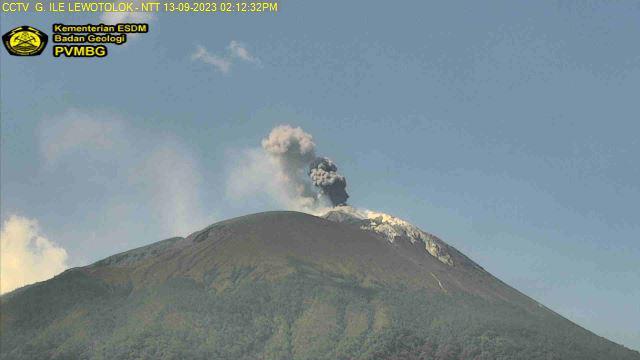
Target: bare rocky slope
287,285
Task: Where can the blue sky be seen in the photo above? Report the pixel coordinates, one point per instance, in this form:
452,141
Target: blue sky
508,129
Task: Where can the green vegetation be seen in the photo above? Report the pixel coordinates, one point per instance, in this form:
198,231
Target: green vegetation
308,314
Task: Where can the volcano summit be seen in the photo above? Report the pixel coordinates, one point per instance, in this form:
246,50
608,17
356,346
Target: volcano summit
288,285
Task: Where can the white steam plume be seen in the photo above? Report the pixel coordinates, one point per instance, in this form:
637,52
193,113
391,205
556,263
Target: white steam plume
163,168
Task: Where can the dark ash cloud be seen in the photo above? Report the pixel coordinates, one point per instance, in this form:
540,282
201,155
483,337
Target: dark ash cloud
324,175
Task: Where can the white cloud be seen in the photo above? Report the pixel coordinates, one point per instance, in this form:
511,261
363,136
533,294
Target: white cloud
223,63
26,255
240,51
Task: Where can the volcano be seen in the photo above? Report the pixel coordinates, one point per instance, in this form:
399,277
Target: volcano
287,285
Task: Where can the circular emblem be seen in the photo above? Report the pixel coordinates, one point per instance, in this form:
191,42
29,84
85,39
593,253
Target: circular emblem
25,41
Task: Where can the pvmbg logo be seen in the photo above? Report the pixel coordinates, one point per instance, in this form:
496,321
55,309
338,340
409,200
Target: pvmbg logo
25,41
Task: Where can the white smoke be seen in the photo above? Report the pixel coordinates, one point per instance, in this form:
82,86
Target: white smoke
77,130
172,177
27,256
163,168
258,175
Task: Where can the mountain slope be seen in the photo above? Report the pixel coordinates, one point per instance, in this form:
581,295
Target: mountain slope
286,285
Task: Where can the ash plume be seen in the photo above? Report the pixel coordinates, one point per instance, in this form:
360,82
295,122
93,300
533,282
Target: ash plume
294,150
287,169
324,175
290,150
293,147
